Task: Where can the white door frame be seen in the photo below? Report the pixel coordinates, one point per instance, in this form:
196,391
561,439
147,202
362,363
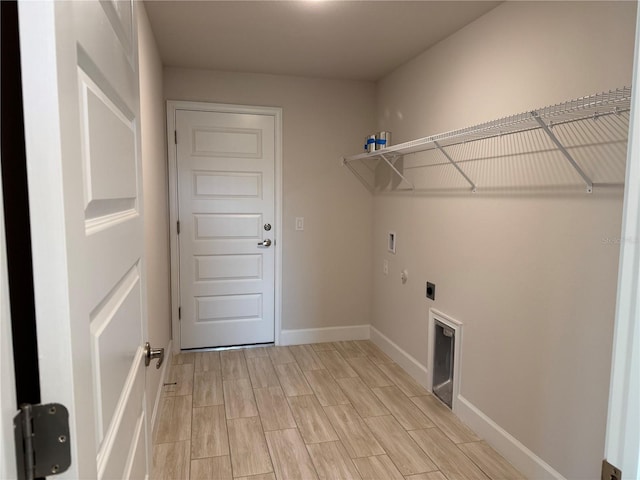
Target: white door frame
276,113
622,446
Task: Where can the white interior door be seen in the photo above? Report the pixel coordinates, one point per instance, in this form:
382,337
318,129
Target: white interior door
622,447
225,170
81,103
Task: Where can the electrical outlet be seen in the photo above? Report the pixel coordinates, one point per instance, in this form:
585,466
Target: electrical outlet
385,267
300,223
431,290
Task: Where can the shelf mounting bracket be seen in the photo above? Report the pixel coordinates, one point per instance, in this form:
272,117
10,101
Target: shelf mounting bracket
358,176
563,150
473,185
393,167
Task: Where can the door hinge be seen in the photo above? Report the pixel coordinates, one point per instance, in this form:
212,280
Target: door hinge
178,227
179,313
609,472
175,137
42,440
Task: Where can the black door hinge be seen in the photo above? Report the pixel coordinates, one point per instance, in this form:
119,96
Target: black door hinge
175,137
42,440
179,313
178,227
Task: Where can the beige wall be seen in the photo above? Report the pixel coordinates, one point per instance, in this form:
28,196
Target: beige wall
327,267
529,275
154,183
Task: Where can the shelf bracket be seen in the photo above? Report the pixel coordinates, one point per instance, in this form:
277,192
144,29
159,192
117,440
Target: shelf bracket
473,185
393,167
563,150
358,176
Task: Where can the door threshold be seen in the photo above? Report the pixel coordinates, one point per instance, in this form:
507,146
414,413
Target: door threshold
229,347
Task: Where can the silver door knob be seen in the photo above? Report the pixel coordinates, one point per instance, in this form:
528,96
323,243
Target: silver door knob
265,243
151,353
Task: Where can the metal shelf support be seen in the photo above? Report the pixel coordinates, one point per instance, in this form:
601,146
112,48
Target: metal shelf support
563,150
358,176
473,185
383,156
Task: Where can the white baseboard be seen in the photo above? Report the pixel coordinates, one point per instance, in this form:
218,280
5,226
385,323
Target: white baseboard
412,366
529,464
163,377
508,446
326,334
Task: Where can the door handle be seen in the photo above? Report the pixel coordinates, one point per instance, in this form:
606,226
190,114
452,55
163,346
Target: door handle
151,353
265,243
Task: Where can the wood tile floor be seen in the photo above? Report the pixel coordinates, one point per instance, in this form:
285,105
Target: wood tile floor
339,410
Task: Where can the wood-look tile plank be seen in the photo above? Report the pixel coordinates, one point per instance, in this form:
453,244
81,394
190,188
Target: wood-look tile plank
289,455
405,411
292,380
234,366
369,373
171,461
238,399
206,361
280,355
349,349
180,380
326,388
209,432
183,358
306,357
332,462
490,461
313,423
374,353
255,352
450,460
323,347
427,476
402,379
175,419
217,468
405,453
336,365
274,409
207,388
377,468
249,453
353,431
264,476
445,419
262,373
362,398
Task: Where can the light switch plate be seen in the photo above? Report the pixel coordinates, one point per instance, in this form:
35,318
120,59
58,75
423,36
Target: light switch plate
300,223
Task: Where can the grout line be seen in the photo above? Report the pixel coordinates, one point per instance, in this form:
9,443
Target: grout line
323,409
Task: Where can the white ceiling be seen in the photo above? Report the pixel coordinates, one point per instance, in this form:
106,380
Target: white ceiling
361,40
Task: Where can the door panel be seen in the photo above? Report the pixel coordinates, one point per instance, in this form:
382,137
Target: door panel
83,151
225,164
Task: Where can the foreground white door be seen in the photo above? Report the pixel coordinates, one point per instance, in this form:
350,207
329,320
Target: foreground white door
80,80
622,447
226,185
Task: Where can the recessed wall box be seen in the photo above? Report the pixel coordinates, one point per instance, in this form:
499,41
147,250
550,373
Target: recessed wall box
391,242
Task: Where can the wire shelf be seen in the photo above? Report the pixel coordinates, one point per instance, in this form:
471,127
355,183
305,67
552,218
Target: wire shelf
570,129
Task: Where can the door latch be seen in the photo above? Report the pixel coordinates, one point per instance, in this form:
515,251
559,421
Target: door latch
42,440
151,353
